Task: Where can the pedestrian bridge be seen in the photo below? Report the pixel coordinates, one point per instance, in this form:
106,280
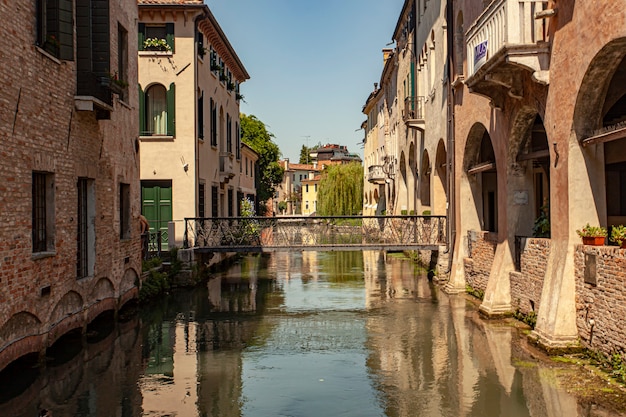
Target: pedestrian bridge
336,233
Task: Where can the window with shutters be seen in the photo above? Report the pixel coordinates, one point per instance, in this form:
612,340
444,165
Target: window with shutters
214,201
201,116
55,30
156,37
124,211
86,234
201,200
213,123
157,111
229,134
43,212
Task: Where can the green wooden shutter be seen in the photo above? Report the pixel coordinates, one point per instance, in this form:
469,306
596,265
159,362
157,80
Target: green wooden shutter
142,111
169,28
171,110
66,30
141,35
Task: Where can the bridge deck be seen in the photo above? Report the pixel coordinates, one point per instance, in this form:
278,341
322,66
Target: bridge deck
340,233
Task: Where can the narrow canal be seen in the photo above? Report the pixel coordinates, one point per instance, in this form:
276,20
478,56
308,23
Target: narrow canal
297,334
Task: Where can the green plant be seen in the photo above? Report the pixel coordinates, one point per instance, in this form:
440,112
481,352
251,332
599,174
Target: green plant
618,234
404,212
426,213
156,44
282,206
239,96
592,231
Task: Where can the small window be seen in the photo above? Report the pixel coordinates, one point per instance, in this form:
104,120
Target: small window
124,211
231,207
43,212
306,188
213,123
201,116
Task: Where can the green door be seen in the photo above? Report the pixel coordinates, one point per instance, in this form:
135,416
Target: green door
156,206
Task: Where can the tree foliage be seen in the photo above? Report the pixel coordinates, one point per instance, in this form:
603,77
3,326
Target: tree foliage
305,153
341,190
255,135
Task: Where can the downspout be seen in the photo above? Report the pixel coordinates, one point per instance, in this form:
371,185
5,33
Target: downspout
196,142
450,156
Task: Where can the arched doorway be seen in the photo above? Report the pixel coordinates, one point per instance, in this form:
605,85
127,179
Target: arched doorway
425,183
440,189
480,167
402,196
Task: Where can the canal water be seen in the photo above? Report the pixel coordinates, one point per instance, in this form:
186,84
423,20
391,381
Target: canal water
296,334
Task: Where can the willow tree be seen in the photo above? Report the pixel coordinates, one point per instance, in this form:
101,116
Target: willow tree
341,190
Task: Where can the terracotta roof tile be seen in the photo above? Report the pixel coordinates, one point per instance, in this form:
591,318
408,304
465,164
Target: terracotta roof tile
170,2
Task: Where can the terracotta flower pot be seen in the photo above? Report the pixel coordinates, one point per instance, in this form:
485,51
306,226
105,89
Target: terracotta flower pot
593,240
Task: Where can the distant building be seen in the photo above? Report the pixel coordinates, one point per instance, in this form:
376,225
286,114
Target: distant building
309,193
332,154
289,192
189,79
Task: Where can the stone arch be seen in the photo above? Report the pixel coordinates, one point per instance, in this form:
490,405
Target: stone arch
402,197
425,183
479,169
413,179
129,282
19,326
70,304
599,118
594,91
102,289
440,183
529,171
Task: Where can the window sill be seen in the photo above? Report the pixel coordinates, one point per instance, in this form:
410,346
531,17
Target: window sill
47,54
156,138
157,53
43,255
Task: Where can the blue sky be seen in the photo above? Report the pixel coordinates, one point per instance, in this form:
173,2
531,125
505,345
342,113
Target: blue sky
312,64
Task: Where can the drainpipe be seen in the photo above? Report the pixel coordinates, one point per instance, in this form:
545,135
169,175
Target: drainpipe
450,156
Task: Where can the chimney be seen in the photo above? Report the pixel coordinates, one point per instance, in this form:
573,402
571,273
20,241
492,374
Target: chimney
286,164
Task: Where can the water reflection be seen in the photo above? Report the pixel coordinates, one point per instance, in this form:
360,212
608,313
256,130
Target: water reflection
298,334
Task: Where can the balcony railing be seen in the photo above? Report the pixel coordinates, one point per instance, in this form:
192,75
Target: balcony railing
376,174
414,112
507,24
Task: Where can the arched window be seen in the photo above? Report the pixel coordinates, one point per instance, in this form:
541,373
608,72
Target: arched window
156,103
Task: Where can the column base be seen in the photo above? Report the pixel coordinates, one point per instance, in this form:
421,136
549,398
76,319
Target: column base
555,345
451,289
495,312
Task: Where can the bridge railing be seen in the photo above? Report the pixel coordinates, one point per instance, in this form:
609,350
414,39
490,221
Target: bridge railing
259,234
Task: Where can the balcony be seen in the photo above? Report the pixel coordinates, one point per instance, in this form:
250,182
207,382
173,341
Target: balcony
94,94
508,39
227,170
413,114
376,175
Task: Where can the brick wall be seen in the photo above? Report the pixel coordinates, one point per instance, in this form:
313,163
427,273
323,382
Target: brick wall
526,285
602,303
42,130
478,265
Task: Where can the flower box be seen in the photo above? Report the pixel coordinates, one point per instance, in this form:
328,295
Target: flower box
593,240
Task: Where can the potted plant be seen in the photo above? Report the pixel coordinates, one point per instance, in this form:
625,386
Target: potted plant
592,235
618,235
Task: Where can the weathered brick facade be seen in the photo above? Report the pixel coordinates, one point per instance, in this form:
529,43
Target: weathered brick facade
478,265
601,307
43,131
526,285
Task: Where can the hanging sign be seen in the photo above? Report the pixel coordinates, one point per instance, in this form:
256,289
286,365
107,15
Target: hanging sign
480,55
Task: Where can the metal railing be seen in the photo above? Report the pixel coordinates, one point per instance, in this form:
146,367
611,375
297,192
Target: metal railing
414,108
270,234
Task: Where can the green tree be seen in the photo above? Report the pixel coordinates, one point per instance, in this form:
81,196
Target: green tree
341,190
305,158
255,135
